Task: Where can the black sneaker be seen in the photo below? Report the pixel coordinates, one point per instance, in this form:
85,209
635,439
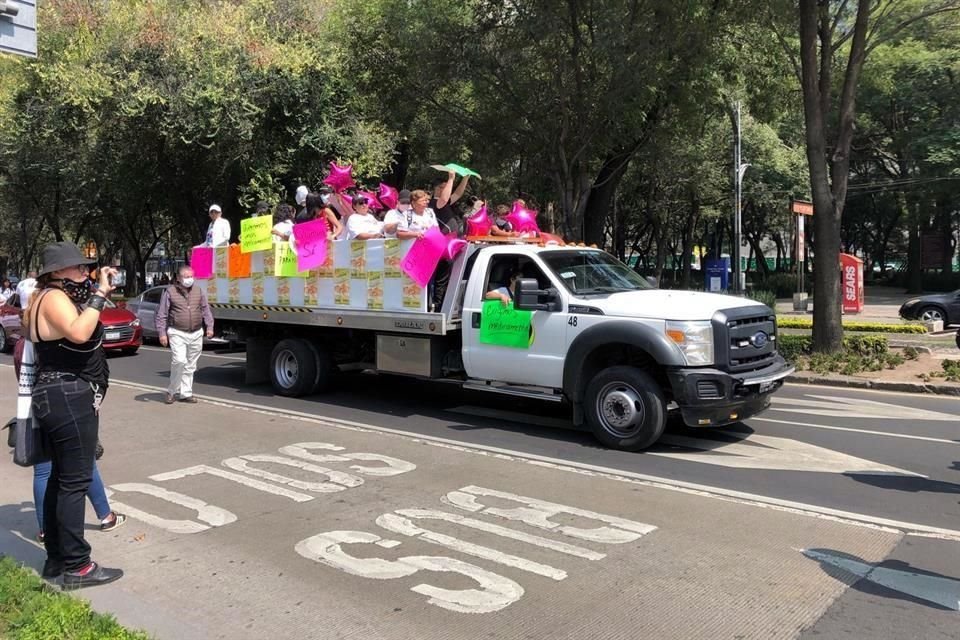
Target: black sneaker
95,575
51,569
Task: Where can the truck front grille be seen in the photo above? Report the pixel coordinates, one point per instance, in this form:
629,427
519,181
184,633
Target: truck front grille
746,340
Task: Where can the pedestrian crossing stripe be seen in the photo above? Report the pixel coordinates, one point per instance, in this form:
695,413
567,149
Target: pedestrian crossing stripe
259,307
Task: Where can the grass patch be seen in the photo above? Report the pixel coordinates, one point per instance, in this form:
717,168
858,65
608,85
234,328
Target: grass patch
787,322
32,610
950,372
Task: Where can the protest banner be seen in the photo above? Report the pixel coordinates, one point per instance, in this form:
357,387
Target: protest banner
504,326
239,263
256,234
424,256
201,261
310,240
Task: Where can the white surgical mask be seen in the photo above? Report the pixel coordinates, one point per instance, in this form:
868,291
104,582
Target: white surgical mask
187,282
403,207
326,198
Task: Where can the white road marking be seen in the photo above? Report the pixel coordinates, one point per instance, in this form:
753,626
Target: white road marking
496,591
394,466
239,478
202,355
905,436
537,513
938,590
778,454
405,527
487,527
212,515
752,452
844,407
338,480
659,482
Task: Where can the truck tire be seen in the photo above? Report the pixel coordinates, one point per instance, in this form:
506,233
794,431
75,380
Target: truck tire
326,368
625,408
293,367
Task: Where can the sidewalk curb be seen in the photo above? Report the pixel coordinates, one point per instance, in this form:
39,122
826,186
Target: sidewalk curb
876,385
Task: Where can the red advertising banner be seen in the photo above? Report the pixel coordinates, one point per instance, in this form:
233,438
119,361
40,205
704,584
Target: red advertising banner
851,280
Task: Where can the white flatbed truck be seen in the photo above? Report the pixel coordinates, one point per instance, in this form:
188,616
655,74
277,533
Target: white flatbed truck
618,351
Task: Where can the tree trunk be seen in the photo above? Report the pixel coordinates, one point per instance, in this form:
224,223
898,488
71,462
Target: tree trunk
601,196
828,181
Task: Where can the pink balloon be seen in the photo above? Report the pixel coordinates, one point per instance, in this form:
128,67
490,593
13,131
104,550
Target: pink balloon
454,246
479,223
522,220
340,178
371,199
388,196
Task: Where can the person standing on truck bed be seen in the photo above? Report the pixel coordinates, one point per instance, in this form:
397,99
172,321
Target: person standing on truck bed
284,227
218,233
444,197
363,225
318,209
181,318
414,219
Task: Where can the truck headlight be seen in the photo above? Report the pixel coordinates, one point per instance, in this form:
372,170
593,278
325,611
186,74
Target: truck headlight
695,340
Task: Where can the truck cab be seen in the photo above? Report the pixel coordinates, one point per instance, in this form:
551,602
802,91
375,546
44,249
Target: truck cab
619,350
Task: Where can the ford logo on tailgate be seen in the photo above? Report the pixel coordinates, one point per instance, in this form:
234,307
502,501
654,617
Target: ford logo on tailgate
759,339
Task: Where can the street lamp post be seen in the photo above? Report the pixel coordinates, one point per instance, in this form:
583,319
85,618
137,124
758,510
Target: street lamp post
739,168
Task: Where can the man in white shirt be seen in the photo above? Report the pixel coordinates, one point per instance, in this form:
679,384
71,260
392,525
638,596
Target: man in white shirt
405,221
218,233
363,225
25,289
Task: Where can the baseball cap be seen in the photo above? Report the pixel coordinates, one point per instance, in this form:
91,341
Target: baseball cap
301,196
216,207
404,196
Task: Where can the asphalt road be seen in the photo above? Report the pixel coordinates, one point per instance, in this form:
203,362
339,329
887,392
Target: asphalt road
835,514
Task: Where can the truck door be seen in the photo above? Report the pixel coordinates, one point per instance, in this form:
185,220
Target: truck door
540,361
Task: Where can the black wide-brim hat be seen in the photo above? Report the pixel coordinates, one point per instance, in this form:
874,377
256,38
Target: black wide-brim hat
62,255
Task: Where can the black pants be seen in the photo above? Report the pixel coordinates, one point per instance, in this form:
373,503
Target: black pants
439,284
70,422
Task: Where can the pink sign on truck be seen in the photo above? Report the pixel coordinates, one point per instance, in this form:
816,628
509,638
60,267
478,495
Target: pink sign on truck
201,261
310,240
424,256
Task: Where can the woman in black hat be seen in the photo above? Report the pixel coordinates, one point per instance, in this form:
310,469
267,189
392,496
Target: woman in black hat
72,375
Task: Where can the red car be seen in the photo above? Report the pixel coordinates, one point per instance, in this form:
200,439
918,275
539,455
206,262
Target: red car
121,329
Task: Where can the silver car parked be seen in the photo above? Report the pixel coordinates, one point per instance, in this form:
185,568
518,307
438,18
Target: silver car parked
145,308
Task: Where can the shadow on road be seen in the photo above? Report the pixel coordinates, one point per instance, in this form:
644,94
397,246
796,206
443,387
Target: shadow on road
908,484
409,398
892,579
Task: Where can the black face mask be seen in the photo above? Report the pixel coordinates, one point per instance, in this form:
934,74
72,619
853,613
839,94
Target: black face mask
78,292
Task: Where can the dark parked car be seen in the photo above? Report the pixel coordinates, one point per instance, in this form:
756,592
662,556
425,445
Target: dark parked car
936,306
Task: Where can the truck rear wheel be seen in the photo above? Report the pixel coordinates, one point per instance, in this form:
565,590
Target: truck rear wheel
326,368
293,367
625,408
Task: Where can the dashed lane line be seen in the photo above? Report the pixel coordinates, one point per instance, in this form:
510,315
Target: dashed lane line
905,436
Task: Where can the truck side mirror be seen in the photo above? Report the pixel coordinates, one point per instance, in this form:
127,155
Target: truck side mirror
528,296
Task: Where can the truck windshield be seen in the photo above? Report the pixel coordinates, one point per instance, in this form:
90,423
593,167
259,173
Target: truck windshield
586,272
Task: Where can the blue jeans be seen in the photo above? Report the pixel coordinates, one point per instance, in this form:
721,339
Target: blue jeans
96,492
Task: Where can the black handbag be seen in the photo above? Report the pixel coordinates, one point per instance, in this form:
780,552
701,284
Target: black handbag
29,448
98,452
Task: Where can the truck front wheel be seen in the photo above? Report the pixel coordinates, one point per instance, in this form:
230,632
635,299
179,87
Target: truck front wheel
625,408
293,367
